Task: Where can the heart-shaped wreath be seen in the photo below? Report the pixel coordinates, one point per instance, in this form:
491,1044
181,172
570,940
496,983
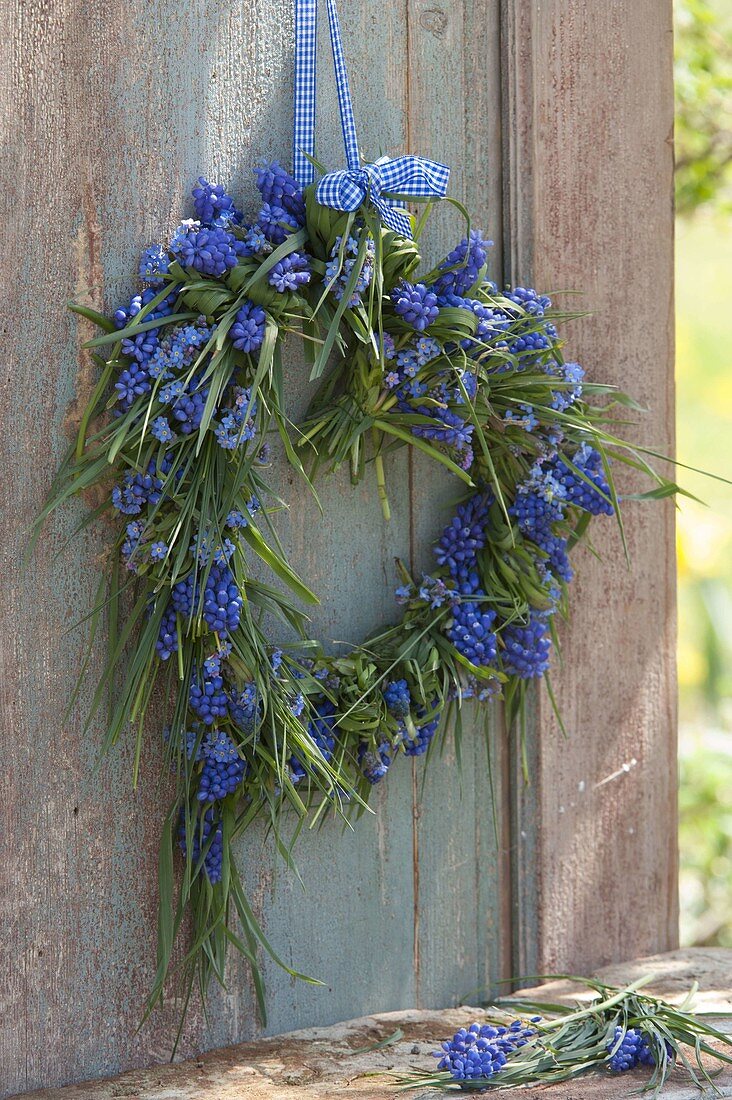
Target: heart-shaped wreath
190,391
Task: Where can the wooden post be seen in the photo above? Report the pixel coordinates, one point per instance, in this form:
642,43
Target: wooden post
588,107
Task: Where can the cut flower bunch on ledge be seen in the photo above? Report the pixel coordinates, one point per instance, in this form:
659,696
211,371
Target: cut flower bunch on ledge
522,1042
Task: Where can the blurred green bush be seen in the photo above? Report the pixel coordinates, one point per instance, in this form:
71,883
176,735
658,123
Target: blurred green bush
703,138
703,70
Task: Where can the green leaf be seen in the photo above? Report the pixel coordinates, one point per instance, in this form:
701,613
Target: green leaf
278,565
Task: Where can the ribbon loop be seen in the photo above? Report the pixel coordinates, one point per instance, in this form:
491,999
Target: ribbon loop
410,176
407,176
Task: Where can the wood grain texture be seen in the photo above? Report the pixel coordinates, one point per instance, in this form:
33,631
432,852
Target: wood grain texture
111,111
588,182
460,839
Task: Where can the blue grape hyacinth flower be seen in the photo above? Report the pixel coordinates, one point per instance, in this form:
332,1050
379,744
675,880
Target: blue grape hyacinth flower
417,304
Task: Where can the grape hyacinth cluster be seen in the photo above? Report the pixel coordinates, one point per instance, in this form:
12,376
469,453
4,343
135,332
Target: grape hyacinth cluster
527,646
322,731
471,625
283,209
374,761
398,698
138,490
553,485
167,643
425,731
471,632
290,273
479,1052
213,206
339,269
207,698
586,485
247,332
223,769
461,268
222,602
416,304
445,427
629,1049
464,536
210,250
208,837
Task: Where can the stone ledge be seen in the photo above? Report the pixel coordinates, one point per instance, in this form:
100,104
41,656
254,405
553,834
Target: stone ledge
326,1063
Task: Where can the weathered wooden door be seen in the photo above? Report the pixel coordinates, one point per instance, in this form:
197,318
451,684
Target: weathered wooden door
556,119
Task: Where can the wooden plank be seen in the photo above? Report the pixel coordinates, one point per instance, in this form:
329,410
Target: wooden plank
358,885
589,106
461,943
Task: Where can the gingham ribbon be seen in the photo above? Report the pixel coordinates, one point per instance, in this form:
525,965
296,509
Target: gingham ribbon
408,176
306,35
412,176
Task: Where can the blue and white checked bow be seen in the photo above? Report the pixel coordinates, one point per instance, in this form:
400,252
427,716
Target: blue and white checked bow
409,176
412,176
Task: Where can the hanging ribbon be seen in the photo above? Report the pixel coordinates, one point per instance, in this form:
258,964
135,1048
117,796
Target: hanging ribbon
408,176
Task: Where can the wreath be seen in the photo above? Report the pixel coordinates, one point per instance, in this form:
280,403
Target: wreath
192,396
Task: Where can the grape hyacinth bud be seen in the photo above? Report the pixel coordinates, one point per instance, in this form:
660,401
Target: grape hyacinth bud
374,764
222,602
211,203
397,698
292,272
247,332
208,836
223,769
417,304
527,647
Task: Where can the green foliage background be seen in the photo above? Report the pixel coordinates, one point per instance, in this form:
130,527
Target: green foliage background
704,422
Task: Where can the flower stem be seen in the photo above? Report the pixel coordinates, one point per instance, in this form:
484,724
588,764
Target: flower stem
380,479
